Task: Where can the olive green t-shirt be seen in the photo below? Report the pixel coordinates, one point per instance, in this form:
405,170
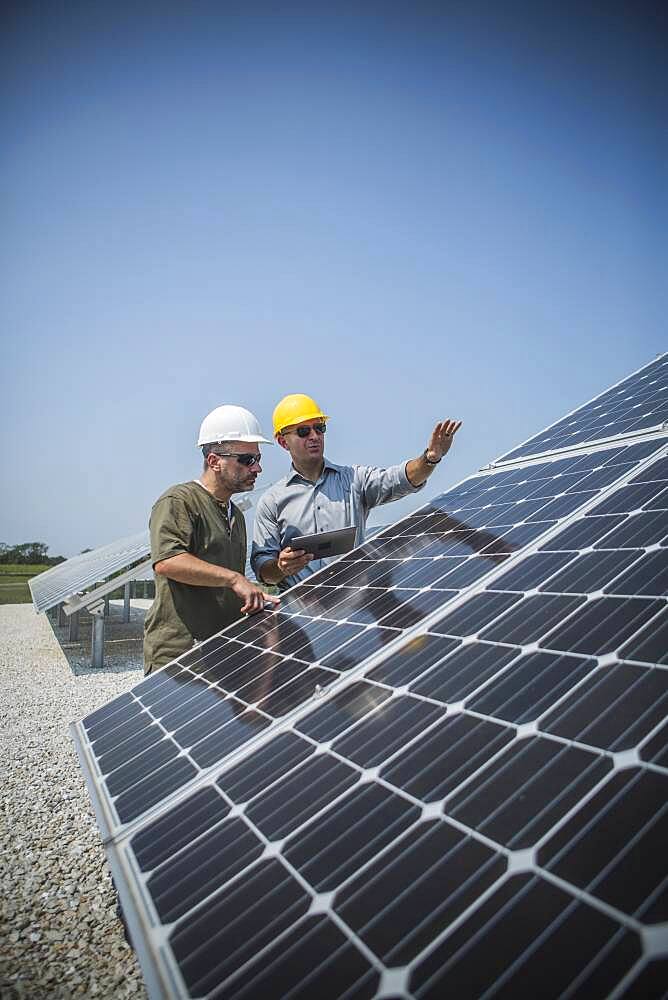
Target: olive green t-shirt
187,518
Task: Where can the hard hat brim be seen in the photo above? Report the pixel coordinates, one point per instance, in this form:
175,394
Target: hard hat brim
309,416
247,438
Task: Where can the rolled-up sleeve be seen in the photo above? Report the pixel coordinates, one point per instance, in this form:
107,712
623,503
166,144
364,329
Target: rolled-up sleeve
379,486
266,537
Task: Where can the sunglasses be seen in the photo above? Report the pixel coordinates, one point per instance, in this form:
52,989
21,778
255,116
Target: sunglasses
243,458
303,432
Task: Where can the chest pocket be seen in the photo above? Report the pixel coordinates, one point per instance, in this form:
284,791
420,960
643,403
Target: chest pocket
338,494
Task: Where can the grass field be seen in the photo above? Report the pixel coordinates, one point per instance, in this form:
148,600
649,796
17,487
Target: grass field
14,582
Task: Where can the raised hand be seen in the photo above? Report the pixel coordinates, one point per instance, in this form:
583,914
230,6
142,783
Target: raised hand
441,439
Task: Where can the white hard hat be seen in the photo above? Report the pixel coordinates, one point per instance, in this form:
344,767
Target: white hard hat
230,423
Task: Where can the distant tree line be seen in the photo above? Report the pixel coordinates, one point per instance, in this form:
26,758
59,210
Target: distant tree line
27,553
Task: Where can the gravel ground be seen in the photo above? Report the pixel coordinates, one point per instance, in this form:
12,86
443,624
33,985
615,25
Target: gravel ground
59,933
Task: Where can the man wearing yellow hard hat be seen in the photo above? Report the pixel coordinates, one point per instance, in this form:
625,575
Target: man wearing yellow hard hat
318,495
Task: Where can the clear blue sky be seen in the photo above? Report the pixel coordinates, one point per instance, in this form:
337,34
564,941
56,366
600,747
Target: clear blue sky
416,212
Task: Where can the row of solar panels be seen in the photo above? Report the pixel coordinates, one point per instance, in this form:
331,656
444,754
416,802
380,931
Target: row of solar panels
440,769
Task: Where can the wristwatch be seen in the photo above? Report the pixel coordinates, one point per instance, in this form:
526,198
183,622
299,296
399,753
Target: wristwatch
428,460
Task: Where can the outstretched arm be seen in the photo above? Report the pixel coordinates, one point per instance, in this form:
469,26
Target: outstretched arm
419,469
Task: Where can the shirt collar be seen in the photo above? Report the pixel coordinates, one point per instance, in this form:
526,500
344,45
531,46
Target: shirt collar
294,476
231,509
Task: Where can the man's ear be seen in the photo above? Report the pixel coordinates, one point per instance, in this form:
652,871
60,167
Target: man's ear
281,440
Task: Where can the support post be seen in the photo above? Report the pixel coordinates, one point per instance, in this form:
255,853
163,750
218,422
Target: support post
62,617
107,611
74,627
97,636
126,602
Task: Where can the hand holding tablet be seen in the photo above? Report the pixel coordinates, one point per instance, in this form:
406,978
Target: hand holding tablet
326,543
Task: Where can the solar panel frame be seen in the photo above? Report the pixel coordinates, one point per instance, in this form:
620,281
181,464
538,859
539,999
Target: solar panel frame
141,571
161,970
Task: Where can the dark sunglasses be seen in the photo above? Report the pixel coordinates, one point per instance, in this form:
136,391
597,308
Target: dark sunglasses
303,432
243,458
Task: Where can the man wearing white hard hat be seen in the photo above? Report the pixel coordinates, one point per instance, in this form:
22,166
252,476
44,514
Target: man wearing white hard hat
198,542
318,495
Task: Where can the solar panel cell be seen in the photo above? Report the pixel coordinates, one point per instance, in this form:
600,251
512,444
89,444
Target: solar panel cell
232,734
583,533
531,572
602,625
591,571
617,708
532,618
182,826
462,672
314,959
412,658
529,938
380,734
650,644
623,821
342,711
530,686
215,941
264,766
647,576
348,835
293,800
535,784
471,617
441,760
397,912
370,641
153,788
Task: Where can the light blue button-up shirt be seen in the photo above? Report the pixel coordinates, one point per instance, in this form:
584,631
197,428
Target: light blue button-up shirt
342,497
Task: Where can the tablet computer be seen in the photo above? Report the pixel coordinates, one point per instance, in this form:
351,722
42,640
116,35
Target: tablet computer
327,543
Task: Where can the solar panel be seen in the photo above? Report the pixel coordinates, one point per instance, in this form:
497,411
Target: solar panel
439,769
55,585
636,404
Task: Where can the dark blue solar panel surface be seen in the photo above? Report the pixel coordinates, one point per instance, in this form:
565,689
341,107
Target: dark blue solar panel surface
440,770
638,403
162,735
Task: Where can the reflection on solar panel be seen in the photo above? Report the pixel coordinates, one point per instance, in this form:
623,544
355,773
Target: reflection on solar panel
440,770
82,571
638,403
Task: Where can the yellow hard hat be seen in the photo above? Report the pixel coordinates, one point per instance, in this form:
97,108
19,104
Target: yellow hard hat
294,409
